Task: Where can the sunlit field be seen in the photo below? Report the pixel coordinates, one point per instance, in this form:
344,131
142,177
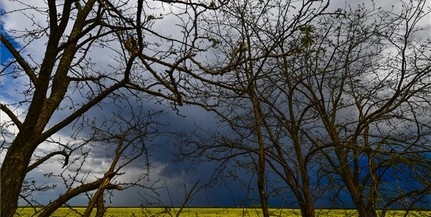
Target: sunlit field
208,212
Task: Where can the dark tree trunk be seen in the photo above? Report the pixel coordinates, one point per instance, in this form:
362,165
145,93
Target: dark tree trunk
13,172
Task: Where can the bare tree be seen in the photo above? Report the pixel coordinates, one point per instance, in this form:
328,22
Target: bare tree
365,77
60,81
255,104
344,96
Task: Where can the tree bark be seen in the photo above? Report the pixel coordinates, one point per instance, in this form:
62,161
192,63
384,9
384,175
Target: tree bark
13,172
261,160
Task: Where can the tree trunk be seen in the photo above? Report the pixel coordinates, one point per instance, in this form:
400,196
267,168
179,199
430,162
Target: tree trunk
364,212
361,207
12,176
100,206
261,161
261,187
13,172
307,209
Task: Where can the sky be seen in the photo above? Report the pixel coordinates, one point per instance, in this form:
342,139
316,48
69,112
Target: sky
170,176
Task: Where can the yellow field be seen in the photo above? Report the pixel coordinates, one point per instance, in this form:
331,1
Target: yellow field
208,212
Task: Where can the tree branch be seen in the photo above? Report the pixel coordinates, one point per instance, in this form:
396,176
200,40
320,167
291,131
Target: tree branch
11,115
52,16
21,61
88,105
42,160
71,193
